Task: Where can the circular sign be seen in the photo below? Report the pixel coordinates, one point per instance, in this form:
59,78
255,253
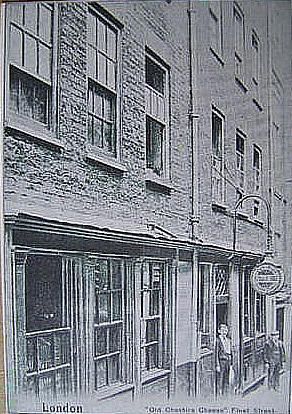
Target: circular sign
267,278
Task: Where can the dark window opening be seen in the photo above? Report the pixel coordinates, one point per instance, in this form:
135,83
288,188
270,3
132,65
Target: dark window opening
155,75
154,145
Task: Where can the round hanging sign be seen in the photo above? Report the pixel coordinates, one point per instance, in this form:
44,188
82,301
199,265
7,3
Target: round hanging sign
267,278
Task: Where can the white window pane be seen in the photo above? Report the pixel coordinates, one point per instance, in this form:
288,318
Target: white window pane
15,45
101,36
108,108
91,29
90,99
44,61
111,74
30,16
160,107
91,62
16,12
101,68
98,101
111,43
45,24
30,53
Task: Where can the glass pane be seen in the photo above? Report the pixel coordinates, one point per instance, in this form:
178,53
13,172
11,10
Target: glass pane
44,61
90,98
16,12
102,36
45,352
108,138
111,74
109,113
91,62
154,135
151,331
154,302
91,29
116,275
30,16
62,382
97,133
100,341
98,102
15,45
154,75
26,101
152,357
46,385
103,303
115,339
114,369
62,349
111,43
30,53
31,353
14,90
101,275
90,129
45,24
40,103
117,306
101,68
100,373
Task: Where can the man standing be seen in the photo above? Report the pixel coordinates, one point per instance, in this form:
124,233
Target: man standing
223,359
274,355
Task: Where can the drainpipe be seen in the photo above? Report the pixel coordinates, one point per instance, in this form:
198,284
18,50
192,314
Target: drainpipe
194,219
194,117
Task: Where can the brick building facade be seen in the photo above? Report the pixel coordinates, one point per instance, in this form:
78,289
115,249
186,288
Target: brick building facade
130,132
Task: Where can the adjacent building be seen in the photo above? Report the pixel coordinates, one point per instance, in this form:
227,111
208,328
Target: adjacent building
131,130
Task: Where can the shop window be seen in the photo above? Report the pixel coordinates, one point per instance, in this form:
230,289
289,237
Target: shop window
157,131
30,63
240,160
102,40
108,325
48,356
152,315
239,41
217,157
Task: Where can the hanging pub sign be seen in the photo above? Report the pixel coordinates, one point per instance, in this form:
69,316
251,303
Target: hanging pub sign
267,278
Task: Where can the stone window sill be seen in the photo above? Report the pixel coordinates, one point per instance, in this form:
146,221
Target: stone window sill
217,56
154,375
106,162
152,180
241,84
114,390
27,131
217,206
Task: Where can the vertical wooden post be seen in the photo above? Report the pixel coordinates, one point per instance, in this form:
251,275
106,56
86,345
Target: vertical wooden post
137,327
172,283
194,345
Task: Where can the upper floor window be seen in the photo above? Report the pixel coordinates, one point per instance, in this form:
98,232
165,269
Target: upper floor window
217,156
255,44
156,90
30,45
240,160
102,85
239,40
257,168
216,39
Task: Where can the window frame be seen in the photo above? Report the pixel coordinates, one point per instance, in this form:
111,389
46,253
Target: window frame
216,17
164,121
255,58
218,174
241,172
239,50
19,122
94,151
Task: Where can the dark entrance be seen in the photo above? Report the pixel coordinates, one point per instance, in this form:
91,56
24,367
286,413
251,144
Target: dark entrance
280,322
221,314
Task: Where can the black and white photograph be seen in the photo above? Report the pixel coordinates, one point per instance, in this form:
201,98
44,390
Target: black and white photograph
146,206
